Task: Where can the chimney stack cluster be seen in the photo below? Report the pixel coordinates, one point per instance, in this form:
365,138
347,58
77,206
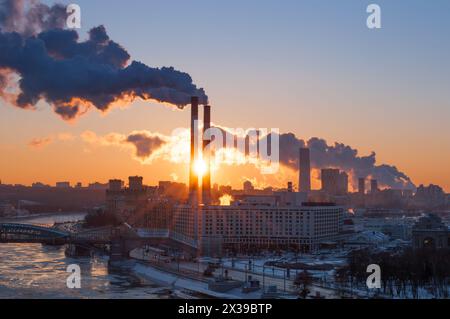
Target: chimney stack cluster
194,192
374,186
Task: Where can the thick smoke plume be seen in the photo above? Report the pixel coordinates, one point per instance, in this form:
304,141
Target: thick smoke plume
30,17
343,157
146,146
145,143
74,76
339,155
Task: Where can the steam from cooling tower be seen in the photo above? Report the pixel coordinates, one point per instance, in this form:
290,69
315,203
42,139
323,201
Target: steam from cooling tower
73,76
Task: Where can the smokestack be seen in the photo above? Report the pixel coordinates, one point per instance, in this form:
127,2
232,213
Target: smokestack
258,135
193,178
289,187
362,186
206,181
304,180
135,183
373,186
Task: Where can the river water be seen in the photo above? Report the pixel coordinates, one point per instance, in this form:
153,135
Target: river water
38,271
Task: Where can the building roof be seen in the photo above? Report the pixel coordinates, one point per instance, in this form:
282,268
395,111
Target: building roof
369,236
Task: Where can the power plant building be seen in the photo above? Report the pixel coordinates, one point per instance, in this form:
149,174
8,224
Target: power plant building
283,220
334,182
374,186
362,186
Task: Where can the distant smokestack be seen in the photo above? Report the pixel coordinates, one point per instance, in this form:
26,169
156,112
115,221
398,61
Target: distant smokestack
206,181
289,187
362,186
373,186
135,183
193,178
247,145
304,180
258,135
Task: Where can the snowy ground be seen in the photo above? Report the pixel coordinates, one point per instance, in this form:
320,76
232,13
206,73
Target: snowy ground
176,282
238,269
167,273
313,264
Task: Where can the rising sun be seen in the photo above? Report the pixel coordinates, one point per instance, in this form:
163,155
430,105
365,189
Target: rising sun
200,167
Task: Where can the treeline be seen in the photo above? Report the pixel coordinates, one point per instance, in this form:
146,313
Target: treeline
403,274
100,218
52,199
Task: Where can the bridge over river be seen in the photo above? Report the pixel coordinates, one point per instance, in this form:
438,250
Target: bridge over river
120,240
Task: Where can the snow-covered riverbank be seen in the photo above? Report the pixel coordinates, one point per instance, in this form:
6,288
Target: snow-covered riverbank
167,279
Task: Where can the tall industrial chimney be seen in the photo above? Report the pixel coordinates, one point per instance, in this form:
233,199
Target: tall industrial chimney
258,150
289,187
206,179
374,186
193,178
362,185
304,180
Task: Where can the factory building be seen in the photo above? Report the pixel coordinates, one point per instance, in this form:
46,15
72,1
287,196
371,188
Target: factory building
282,220
361,186
334,182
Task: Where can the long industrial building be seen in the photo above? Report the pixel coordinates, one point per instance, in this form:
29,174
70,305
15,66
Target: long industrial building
244,227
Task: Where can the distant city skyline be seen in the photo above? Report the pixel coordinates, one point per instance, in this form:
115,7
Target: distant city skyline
310,68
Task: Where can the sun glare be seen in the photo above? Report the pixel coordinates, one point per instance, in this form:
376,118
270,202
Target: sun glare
200,167
225,200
